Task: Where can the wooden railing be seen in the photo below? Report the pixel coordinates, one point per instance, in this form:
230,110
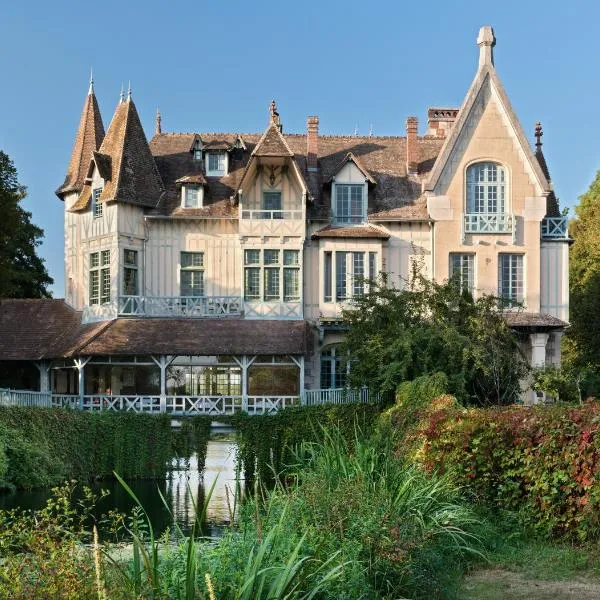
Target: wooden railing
24,398
294,215
186,405
555,228
180,306
488,223
338,396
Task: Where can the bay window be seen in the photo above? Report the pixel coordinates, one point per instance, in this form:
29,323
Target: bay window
99,277
277,270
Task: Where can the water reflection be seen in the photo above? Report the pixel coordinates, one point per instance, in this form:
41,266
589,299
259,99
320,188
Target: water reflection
185,487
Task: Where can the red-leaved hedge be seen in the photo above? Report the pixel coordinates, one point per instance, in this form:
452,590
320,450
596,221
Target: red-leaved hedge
543,462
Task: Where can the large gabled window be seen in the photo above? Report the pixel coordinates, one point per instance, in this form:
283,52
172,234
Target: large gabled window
486,188
349,203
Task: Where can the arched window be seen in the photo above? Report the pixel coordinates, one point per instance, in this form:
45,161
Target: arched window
334,369
486,188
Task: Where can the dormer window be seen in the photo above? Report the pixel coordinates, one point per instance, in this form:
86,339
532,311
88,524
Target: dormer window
350,207
192,196
197,150
97,206
216,164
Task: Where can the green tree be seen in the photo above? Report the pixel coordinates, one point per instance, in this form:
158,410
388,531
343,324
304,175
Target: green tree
584,274
397,335
22,271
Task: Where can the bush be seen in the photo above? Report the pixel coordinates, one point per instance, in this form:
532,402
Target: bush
543,462
41,447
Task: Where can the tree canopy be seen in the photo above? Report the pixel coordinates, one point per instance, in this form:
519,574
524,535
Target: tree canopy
397,335
584,275
22,271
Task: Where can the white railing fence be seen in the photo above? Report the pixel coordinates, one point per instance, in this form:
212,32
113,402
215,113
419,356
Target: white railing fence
488,223
186,405
180,306
339,396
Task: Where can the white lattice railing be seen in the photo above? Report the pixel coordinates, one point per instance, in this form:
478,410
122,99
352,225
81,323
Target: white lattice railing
338,396
99,312
555,228
131,403
283,310
24,398
293,215
488,223
263,405
180,306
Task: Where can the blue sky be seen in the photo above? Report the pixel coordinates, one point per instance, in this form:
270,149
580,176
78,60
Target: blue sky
214,66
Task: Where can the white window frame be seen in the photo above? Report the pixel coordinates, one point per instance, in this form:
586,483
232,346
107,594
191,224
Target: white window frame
99,280
186,201
133,268
355,264
267,265
486,188
221,170
458,262
191,263
514,297
97,206
350,219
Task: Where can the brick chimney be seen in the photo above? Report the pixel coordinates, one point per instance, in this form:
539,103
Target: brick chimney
440,121
312,143
412,147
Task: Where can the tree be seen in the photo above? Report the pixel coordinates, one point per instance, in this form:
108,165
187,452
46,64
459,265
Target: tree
22,271
584,275
397,335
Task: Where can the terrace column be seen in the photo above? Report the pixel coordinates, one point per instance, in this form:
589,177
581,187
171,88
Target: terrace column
43,367
538,357
80,365
162,362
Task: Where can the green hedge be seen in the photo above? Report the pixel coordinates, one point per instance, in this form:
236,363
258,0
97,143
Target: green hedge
543,462
40,446
265,441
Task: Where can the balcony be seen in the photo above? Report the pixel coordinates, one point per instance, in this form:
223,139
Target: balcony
271,222
488,223
555,228
180,306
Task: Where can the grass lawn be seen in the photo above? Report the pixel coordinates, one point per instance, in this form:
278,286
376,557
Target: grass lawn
536,571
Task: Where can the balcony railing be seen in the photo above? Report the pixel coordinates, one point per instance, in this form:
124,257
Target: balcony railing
180,306
338,396
555,228
489,223
294,215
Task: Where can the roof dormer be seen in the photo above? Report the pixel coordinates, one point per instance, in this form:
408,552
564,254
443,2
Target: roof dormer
192,191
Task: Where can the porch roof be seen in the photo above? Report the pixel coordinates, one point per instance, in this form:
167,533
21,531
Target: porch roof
45,329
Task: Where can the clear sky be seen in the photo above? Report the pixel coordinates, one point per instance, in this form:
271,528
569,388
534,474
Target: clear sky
215,66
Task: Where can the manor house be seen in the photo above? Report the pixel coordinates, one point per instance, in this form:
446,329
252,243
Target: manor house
208,271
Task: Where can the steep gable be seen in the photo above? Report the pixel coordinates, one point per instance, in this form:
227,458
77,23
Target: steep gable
485,89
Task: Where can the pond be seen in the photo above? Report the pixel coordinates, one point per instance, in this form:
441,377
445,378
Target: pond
184,487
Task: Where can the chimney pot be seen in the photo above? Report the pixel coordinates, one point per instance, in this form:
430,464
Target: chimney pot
312,143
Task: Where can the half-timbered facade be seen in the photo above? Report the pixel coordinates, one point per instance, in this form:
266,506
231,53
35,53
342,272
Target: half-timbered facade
210,269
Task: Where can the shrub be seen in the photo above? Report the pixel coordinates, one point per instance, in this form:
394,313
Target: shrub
543,461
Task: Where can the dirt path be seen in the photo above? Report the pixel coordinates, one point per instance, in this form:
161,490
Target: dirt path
496,584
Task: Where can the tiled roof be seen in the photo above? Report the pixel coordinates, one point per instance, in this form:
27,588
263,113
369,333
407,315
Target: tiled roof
134,178
197,179
272,143
37,329
351,232
552,206
527,319
200,336
395,193
90,134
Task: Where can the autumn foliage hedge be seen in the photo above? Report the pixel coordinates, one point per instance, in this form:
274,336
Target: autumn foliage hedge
543,462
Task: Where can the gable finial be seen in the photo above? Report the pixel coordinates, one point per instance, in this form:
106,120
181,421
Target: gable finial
91,90
274,115
356,130
129,92
122,94
486,40
538,135
158,128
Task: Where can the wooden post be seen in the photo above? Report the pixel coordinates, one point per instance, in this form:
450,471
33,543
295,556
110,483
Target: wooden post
162,362
80,364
